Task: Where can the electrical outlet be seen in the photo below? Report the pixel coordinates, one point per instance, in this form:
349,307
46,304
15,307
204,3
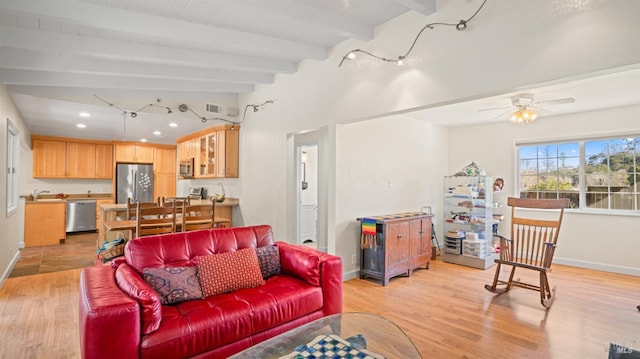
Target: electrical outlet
353,259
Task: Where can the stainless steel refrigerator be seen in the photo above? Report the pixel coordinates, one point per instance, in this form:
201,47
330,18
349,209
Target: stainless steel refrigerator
134,181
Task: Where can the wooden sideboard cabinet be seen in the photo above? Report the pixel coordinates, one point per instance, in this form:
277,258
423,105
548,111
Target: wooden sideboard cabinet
402,244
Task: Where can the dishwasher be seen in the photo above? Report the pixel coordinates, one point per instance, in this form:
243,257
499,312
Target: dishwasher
81,215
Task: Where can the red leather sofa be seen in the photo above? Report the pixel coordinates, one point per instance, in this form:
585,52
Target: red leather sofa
117,316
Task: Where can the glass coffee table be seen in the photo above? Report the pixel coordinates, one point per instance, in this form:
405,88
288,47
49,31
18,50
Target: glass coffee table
352,335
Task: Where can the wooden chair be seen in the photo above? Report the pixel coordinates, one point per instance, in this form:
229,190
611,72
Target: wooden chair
132,207
198,217
532,245
169,201
155,220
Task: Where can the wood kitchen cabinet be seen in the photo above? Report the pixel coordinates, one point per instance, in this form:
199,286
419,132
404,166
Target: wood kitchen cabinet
215,150
58,157
164,172
133,153
104,161
49,159
402,244
44,223
81,160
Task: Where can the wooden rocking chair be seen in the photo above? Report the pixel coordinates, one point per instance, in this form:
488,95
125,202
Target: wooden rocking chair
532,245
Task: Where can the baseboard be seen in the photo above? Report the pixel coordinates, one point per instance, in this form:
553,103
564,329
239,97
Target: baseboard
598,266
350,275
8,270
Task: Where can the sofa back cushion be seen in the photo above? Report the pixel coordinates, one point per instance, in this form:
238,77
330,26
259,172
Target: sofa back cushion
182,249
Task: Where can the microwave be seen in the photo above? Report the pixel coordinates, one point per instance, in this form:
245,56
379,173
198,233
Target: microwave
186,167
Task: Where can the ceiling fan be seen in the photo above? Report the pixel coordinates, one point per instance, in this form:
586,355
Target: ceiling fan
524,108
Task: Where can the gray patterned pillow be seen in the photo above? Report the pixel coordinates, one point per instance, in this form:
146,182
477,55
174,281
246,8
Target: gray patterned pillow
174,284
269,259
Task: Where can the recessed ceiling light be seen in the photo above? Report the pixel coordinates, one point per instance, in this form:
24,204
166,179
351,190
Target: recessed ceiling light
157,133
84,114
173,124
81,125
143,140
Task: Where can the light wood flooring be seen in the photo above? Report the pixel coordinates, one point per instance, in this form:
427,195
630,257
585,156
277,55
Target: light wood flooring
445,311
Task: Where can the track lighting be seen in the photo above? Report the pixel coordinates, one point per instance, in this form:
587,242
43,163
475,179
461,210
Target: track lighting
169,110
460,26
134,115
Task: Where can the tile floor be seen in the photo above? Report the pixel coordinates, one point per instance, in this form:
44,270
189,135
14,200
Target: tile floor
78,251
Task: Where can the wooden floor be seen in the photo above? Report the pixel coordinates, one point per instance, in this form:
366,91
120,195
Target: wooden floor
445,311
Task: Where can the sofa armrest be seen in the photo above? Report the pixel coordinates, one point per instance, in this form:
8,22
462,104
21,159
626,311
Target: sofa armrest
109,319
317,268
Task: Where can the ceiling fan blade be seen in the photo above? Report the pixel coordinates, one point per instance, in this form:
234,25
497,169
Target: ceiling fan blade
502,114
495,108
557,101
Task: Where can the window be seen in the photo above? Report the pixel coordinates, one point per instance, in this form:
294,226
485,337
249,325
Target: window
12,171
592,174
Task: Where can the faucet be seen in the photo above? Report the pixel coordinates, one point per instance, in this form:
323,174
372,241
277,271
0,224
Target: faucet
36,192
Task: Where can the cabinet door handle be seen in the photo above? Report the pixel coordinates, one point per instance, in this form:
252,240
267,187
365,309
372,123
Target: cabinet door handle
399,235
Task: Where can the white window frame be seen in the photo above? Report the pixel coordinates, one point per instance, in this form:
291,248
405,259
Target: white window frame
13,147
582,168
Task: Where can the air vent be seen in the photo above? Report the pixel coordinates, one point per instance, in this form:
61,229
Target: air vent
217,109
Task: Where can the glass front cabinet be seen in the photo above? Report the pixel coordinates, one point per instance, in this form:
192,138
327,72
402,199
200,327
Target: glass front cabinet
469,222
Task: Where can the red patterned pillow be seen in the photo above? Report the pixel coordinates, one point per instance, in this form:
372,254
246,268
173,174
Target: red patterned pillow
269,259
229,271
174,284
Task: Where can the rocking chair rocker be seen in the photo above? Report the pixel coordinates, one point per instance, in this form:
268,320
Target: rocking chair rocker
532,245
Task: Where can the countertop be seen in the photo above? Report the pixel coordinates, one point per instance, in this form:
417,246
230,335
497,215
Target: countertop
51,198
228,202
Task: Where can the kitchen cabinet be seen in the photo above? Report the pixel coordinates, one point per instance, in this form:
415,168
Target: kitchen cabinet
57,157
80,160
164,172
215,150
133,153
104,161
44,223
49,159
402,243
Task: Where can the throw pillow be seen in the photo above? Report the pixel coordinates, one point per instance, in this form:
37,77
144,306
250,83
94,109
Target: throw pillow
269,260
174,284
229,271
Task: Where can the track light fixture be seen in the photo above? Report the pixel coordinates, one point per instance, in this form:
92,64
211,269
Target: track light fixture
460,26
185,108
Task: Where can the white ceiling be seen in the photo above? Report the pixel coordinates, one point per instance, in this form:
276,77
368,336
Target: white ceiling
57,55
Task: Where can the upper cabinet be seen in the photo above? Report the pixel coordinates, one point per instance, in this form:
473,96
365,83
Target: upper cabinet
67,158
133,153
215,151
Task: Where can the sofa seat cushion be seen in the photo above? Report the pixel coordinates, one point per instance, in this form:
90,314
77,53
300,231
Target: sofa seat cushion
196,326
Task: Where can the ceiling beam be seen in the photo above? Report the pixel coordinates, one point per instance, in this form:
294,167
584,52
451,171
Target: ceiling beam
56,43
11,58
425,7
46,78
310,17
77,94
104,17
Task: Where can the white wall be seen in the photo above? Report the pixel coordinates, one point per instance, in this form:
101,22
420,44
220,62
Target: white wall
11,230
607,242
385,166
502,50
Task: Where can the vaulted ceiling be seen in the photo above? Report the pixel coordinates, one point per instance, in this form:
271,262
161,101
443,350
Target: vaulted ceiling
131,53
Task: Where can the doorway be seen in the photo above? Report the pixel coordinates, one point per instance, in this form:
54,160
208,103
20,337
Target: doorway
307,195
